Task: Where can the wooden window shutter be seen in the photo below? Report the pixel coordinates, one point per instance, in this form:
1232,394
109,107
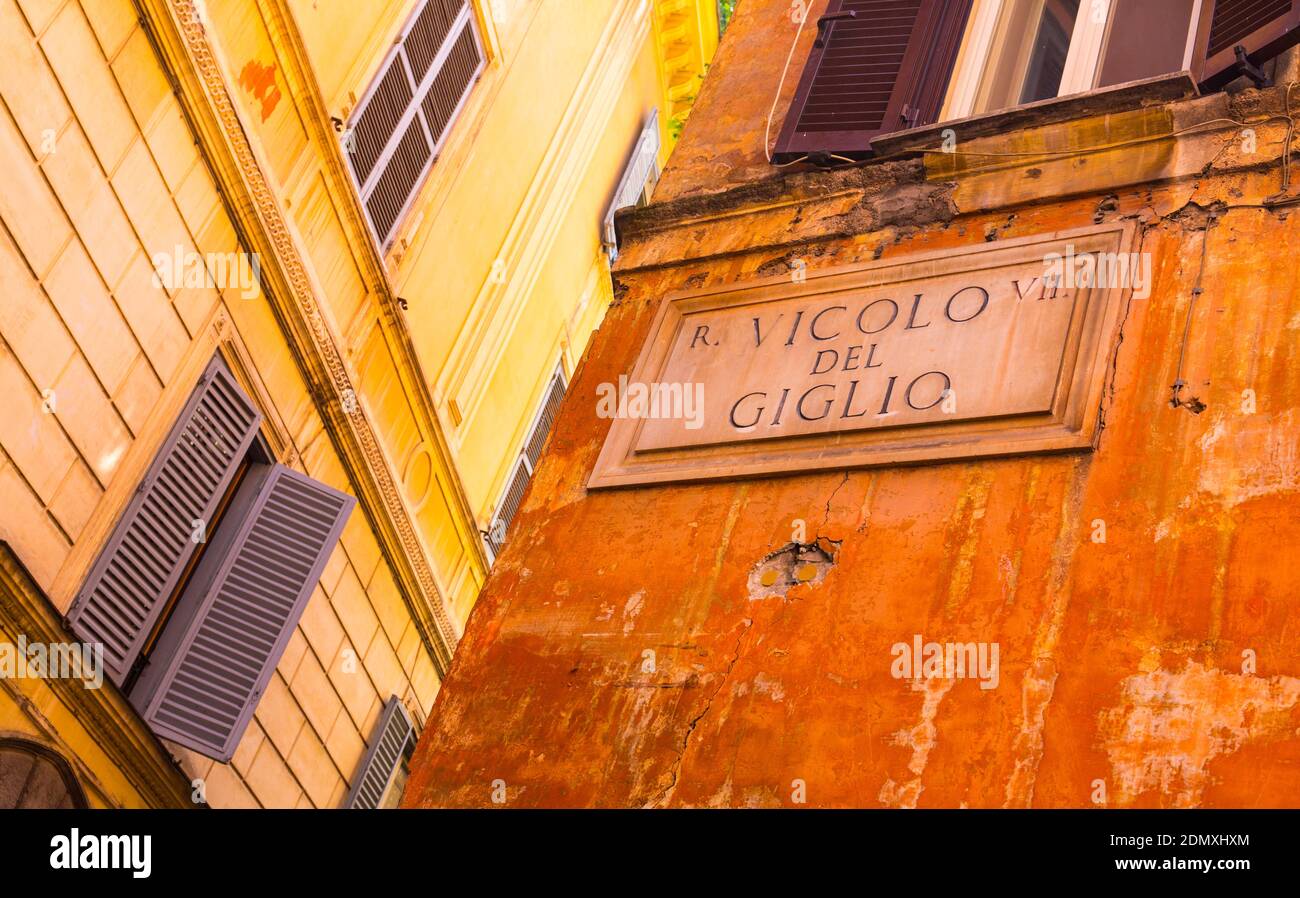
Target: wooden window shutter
546,420
245,598
394,740
140,565
398,127
877,66
1263,28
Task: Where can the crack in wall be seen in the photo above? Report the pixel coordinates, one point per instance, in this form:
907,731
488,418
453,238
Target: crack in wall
674,771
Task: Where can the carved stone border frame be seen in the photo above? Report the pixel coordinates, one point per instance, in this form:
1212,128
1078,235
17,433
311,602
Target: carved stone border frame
1073,424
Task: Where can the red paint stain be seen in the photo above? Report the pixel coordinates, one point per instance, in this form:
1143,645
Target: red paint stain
259,80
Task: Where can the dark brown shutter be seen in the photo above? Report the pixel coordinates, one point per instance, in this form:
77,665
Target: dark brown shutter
884,69
398,128
393,742
545,421
144,558
1263,27
246,596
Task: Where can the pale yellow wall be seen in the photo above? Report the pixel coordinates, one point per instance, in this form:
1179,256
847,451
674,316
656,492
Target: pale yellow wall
565,304
79,315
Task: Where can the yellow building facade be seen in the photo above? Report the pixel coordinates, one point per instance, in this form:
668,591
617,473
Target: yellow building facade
394,279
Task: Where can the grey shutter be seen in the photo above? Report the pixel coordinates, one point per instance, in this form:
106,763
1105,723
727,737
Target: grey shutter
510,502
398,127
244,600
394,740
545,421
139,566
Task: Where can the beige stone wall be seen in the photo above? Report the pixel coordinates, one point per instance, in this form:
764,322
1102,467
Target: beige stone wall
101,173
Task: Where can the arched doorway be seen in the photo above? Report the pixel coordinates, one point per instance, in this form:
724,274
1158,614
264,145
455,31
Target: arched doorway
34,776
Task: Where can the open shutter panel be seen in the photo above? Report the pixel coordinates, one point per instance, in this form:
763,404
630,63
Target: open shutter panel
239,623
143,560
545,421
878,66
394,740
399,127
1263,28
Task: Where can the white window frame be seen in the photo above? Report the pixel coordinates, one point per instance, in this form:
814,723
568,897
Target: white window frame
640,173
1082,64
982,41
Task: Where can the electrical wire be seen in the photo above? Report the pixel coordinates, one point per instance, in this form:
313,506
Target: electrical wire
767,132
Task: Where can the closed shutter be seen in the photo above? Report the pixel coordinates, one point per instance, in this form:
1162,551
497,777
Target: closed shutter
509,505
144,558
546,420
393,742
1263,28
246,597
882,68
398,128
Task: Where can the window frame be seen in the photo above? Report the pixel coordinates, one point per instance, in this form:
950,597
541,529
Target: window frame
466,19
520,458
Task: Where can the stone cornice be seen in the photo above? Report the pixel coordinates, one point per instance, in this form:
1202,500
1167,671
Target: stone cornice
203,89
997,165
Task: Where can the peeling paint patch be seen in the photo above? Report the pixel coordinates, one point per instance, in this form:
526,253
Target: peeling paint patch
259,80
633,608
1171,725
769,686
1258,457
921,738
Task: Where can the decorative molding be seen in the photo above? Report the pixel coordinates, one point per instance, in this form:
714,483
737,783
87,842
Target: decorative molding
105,713
180,38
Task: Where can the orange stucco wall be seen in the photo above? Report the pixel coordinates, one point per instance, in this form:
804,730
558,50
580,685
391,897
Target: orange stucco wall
1126,672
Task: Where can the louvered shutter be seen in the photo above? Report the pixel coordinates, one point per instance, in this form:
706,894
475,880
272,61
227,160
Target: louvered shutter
883,70
393,742
1263,27
144,558
545,420
509,506
399,126
245,598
